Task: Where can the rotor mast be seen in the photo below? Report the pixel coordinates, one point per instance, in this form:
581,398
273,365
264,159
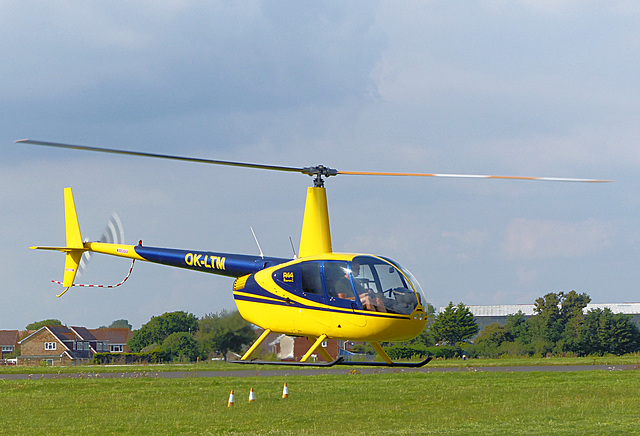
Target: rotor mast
316,231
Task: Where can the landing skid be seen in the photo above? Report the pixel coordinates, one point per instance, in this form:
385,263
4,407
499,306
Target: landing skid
392,364
339,361
290,363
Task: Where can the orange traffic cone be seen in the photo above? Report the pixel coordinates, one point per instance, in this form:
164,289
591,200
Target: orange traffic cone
285,391
252,396
232,399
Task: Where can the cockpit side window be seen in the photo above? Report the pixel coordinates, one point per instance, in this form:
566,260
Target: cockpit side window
311,282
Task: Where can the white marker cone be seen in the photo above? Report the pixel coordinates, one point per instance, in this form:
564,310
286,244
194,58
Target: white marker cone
285,391
252,396
232,399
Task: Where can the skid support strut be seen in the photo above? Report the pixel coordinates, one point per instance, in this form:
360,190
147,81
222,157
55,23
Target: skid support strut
256,344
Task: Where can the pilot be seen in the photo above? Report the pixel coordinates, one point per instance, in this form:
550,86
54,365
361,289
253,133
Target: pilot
369,299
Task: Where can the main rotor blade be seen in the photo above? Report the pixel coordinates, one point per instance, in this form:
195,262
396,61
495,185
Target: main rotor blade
162,156
319,170
471,176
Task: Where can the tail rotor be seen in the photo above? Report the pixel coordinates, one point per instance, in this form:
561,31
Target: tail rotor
112,234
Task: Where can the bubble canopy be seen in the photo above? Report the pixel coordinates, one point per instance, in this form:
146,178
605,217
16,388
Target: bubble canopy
383,285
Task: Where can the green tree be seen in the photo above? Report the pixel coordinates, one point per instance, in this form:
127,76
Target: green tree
548,323
221,333
454,324
39,324
518,327
546,326
491,339
160,327
571,312
118,324
557,322
607,332
121,323
179,346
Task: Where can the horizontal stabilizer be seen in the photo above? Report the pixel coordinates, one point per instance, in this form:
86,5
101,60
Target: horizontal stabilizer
63,249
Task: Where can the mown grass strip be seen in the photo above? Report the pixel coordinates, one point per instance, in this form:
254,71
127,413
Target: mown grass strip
631,359
594,402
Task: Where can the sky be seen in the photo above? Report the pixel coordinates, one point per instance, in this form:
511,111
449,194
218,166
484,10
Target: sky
527,88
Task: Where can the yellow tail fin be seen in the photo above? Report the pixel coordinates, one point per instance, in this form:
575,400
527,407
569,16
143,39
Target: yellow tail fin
74,240
74,247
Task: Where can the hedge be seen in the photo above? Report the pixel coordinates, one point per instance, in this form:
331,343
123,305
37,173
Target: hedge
410,351
155,356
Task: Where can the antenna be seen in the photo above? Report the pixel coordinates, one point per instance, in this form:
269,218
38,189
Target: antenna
295,256
254,237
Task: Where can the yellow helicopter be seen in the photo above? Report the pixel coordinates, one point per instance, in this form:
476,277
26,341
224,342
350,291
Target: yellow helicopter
319,295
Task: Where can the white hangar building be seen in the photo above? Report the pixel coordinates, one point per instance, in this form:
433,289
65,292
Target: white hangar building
486,315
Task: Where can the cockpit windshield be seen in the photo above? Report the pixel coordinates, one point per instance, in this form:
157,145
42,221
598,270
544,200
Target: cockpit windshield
383,286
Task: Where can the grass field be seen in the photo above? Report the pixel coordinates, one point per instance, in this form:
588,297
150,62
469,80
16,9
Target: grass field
405,402
629,359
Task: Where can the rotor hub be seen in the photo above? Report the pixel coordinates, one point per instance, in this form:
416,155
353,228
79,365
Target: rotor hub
319,171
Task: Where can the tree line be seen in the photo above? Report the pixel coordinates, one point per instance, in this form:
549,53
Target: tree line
181,336
177,336
559,326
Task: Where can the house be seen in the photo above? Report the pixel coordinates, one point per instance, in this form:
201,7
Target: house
115,338
8,342
59,345
294,348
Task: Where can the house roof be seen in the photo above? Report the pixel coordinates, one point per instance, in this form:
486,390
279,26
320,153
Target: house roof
9,337
113,335
64,333
83,333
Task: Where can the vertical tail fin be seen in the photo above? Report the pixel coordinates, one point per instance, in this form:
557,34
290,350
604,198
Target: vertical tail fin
75,247
74,240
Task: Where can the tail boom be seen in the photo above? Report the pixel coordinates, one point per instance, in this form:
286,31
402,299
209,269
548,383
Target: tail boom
227,264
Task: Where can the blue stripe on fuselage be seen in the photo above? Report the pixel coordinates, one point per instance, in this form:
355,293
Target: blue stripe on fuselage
226,264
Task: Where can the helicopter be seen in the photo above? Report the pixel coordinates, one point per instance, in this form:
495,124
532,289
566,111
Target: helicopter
319,294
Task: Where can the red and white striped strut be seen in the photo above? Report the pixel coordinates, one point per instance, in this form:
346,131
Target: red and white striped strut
96,286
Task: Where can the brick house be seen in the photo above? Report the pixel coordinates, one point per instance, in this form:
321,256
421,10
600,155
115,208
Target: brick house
294,348
59,345
115,338
8,342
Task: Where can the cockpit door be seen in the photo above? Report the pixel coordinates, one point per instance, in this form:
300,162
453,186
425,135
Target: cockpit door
338,281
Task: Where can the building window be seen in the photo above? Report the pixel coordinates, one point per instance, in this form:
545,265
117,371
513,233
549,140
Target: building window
116,348
7,349
49,345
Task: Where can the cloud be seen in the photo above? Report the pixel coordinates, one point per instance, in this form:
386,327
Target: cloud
540,239
463,243
113,63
